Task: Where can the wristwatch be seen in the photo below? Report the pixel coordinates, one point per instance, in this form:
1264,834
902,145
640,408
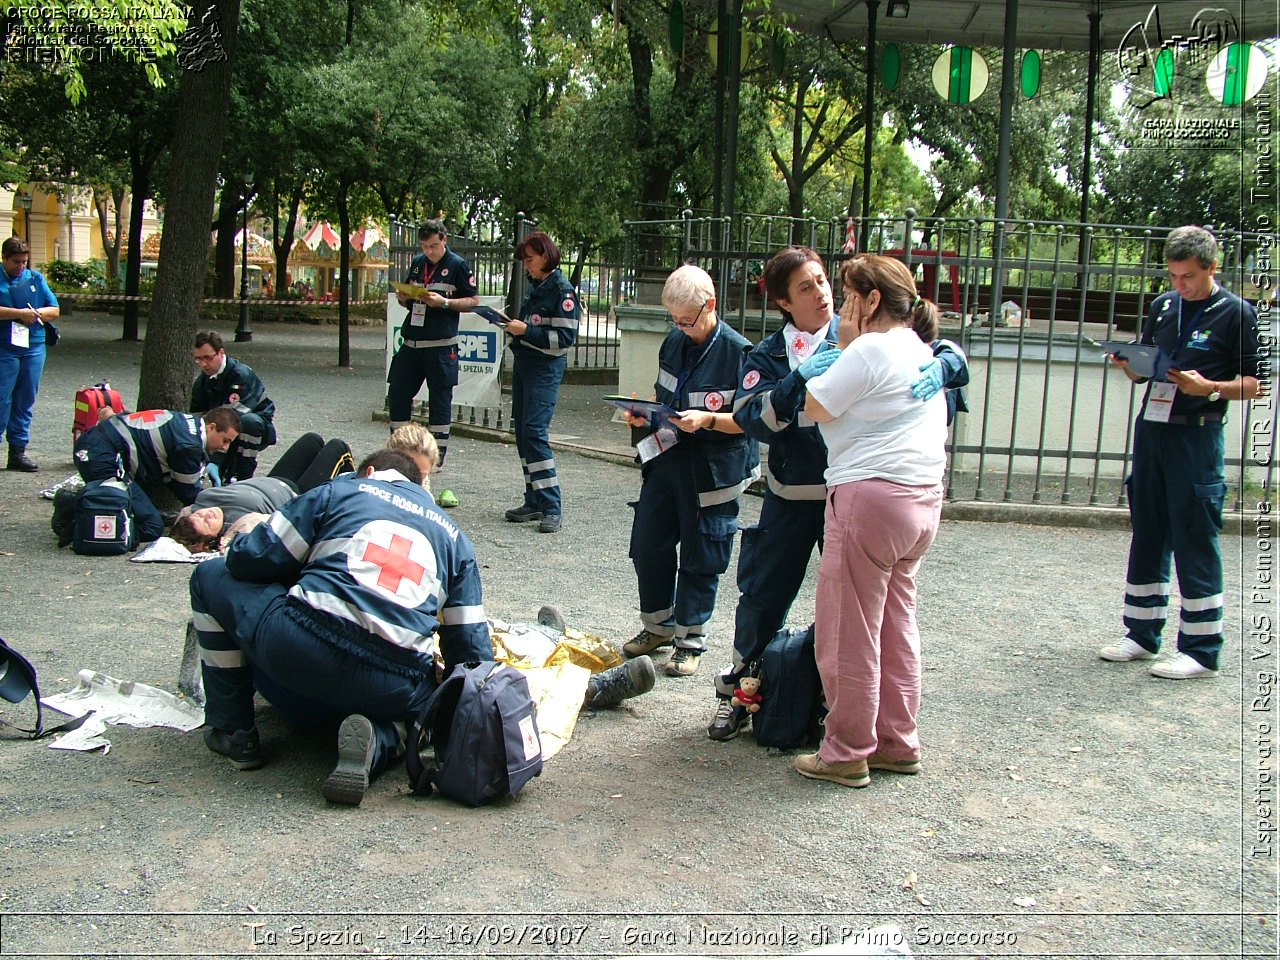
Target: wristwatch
1216,395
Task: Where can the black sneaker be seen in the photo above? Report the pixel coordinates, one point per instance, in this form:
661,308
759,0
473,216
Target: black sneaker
242,748
550,523
350,778
728,722
608,688
524,514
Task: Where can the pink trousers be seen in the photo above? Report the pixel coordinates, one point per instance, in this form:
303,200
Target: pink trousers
867,641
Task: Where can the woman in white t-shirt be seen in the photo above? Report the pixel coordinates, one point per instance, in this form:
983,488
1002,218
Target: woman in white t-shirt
885,459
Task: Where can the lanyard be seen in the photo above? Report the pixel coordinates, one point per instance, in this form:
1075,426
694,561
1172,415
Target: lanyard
686,374
1198,314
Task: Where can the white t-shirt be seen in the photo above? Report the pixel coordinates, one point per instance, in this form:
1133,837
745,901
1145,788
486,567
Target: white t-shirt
880,430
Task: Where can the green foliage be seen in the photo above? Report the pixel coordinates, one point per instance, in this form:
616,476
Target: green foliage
68,275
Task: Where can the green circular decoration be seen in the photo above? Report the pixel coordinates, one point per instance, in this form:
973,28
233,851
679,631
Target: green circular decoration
1164,72
1030,73
1237,73
675,28
744,44
960,75
891,66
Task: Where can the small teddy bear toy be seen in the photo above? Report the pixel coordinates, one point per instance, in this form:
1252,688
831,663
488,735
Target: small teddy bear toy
748,694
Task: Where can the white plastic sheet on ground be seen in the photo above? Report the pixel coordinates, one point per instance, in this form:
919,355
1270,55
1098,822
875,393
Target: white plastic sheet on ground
117,701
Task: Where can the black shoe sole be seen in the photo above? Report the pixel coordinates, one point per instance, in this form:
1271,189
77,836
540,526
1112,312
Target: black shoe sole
350,778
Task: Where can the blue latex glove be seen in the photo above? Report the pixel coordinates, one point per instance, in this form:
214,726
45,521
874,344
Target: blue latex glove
930,382
818,364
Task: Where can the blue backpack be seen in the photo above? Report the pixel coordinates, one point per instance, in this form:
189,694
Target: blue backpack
476,740
793,708
104,520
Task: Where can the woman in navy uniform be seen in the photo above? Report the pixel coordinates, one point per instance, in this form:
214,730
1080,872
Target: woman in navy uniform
694,471
541,338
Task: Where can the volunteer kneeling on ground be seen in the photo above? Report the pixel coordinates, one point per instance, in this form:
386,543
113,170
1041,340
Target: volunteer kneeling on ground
328,610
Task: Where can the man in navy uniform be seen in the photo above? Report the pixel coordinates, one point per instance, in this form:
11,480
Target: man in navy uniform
155,448
225,381
429,350
329,610
1178,483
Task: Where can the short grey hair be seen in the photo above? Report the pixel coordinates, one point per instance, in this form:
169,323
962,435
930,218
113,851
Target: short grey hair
1188,243
688,286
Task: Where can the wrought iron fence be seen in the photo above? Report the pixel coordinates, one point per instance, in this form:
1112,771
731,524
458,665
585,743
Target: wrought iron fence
1027,300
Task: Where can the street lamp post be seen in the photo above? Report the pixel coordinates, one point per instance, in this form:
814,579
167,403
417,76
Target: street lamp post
244,332
24,200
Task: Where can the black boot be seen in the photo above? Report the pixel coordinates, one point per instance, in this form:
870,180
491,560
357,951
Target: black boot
18,460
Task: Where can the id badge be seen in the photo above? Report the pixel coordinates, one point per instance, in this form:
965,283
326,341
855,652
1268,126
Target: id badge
1160,402
657,443
19,334
417,313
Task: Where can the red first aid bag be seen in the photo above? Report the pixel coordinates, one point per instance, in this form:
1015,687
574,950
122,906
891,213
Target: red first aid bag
89,401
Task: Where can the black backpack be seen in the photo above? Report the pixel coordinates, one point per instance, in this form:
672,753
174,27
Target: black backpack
104,520
476,740
793,708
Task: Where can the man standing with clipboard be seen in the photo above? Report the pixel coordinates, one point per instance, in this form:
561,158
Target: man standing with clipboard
430,334
1178,483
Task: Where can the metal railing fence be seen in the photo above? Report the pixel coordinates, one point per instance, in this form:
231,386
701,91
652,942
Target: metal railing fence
1026,300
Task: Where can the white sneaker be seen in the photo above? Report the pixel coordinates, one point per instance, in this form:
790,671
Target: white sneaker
1125,650
1181,667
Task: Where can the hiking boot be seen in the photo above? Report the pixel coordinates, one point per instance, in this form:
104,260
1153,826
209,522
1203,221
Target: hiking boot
242,748
645,642
1181,667
878,761
524,514
1125,650
350,778
18,460
608,688
447,499
729,720
549,616
550,523
851,773
683,662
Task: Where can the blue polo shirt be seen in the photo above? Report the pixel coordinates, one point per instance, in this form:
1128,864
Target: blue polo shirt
28,289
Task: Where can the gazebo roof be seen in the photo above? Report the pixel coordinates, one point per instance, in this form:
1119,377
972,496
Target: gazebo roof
1042,24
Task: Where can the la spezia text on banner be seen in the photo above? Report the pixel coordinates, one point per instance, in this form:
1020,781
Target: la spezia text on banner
480,346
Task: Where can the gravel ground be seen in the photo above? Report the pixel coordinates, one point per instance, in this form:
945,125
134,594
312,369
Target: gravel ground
1068,807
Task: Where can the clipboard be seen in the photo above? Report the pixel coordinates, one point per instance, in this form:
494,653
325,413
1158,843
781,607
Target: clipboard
496,317
1146,360
410,290
657,413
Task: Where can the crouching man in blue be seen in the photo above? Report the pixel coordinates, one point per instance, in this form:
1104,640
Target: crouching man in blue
152,449
226,381
329,610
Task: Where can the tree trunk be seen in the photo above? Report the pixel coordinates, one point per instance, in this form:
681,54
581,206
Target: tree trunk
207,52
344,275
139,190
282,239
110,244
225,226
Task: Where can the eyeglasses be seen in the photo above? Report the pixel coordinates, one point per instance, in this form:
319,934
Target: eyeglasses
683,325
